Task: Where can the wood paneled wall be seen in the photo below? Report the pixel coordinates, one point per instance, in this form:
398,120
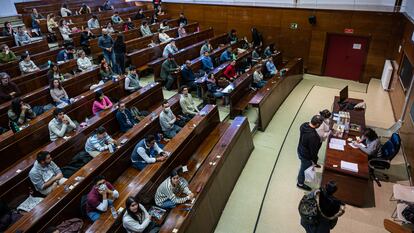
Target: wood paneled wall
307,41
398,96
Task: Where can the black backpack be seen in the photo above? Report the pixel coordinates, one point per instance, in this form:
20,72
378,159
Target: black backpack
408,213
308,208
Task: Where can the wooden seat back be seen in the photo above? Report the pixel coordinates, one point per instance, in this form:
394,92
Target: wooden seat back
215,180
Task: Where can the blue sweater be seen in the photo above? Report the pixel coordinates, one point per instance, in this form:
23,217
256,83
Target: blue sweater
122,120
225,56
63,55
207,63
188,75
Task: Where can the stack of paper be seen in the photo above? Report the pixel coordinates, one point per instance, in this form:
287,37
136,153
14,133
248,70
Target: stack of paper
337,144
353,167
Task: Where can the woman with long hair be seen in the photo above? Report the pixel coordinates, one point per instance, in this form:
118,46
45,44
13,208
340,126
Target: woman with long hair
54,73
136,217
20,112
58,93
106,72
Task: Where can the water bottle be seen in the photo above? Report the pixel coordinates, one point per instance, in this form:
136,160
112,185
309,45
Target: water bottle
114,213
153,115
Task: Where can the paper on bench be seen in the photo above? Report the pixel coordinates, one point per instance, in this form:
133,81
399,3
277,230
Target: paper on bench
337,141
336,147
353,167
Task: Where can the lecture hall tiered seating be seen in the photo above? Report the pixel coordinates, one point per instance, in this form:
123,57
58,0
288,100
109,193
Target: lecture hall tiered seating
214,151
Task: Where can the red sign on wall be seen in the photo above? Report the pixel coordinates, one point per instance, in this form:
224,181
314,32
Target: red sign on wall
349,30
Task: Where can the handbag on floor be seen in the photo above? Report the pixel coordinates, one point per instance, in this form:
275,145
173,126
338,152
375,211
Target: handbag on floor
310,175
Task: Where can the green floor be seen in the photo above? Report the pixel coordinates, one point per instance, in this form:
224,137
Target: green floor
265,197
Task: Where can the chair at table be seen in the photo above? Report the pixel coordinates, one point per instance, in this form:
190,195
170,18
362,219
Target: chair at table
388,151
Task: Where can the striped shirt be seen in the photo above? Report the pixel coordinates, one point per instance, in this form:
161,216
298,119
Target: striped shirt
166,191
95,144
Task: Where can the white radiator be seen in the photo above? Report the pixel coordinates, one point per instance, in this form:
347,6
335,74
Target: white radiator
386,75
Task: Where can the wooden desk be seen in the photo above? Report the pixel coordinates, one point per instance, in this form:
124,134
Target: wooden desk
353,187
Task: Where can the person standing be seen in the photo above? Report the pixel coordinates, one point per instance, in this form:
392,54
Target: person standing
330,209
36,17
168,67
120,50
308,147
106,43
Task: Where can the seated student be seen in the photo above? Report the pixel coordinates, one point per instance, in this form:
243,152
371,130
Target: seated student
106,72
145,29
101,196
324,130
183,20
139,15
187,76
226,55
36,17
132,80
164,37
136,218
181,31
84,63
159,11
45,174
170,48
65,54
98,142
85,36
230,71
124,117
20,113
51,23
6,55
21,37
85,9
116,19
64,10
187,104
154,19
168,67
106,6
129,25
65,31
168,121
164,25
206,48
369,143
258,81
147,151
207,63
58,93
8,29
270,67
93,22
54,73
109,28
102,102
255,56
212,86
169,193
232,37
269,50
60,125
26,65
8,89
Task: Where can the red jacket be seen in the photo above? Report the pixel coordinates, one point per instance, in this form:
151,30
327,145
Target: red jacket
230,72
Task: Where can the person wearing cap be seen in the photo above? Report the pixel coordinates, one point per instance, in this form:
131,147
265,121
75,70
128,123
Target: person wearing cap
168,67
8,89
330,209
308,148
170,49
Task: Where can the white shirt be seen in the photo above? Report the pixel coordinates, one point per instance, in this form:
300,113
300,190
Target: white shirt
64,12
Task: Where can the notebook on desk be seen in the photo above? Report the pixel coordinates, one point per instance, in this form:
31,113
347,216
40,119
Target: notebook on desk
353,167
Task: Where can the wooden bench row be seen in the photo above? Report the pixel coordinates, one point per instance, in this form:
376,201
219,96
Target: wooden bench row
62,153
30,4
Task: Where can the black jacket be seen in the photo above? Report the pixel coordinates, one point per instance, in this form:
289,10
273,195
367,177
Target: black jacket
309,142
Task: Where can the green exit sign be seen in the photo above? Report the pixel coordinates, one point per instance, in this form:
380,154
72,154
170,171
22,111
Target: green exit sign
294,26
